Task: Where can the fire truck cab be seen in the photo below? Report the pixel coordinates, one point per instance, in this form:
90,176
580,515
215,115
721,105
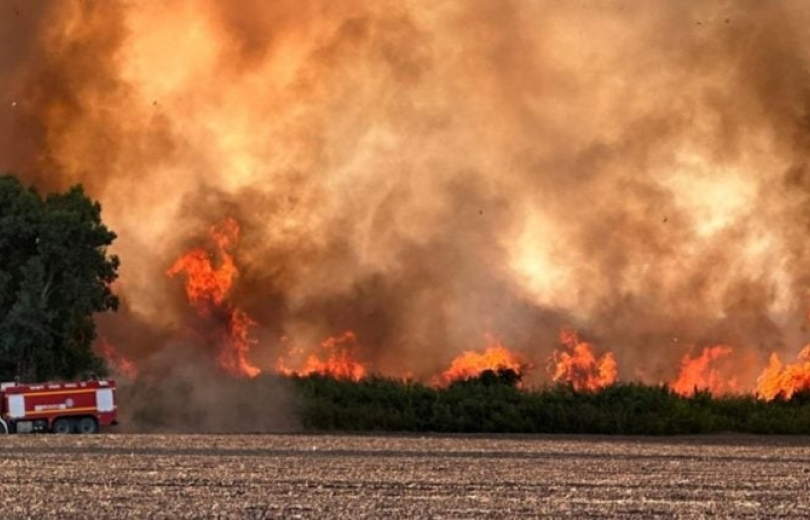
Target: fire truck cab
79,407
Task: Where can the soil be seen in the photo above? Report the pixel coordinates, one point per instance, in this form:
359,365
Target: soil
330,476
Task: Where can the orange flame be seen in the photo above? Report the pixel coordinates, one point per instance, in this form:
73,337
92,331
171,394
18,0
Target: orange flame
207,287
338,360
472,364
117,361
701,373
234,359
205,284
784,379
580,367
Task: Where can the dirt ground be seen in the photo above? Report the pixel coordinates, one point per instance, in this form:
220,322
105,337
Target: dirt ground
303,476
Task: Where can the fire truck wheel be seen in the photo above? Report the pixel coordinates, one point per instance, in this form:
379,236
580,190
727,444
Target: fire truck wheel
62,426
87,425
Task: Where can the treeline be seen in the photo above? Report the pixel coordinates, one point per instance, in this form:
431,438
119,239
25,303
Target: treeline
55,275
493,403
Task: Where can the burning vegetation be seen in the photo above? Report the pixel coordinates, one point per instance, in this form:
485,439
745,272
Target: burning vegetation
210,274
471,364
337,358
578,365
784,380
363,188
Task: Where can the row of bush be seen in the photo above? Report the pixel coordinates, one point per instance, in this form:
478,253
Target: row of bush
493,403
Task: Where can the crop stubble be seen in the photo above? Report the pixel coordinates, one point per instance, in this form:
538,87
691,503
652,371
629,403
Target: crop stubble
289,476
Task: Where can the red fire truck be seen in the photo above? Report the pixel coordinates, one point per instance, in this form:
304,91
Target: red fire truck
81,407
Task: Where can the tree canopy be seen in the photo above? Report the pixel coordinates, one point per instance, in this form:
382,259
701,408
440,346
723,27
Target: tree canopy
55,273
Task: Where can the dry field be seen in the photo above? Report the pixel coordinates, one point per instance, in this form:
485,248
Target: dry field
304,476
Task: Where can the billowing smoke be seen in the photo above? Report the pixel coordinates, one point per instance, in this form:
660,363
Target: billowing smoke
424,173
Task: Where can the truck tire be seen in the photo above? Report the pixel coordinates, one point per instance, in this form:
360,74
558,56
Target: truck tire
87,425
62,426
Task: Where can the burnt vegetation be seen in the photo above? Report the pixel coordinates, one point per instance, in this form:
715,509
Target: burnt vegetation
494,403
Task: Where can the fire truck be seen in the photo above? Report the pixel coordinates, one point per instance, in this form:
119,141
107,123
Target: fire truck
79,407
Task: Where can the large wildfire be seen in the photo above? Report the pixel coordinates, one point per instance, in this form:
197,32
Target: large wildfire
584,193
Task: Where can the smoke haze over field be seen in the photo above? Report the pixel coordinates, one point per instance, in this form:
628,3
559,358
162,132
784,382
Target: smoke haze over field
423,173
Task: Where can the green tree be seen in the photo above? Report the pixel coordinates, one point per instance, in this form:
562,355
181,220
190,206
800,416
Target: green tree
55,273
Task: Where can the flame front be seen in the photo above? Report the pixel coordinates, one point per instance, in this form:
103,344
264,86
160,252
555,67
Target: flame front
337,359
580,367
701,373
784,380
472,364
207,287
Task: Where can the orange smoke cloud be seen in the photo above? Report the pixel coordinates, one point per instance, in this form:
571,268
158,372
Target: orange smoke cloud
119,364
419,174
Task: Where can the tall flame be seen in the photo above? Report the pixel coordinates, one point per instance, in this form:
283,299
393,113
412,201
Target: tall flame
580,367
784,380
207,287
701,373
471,364
205,284
337,359
234,357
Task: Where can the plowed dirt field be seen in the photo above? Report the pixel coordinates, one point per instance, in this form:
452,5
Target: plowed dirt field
302,476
